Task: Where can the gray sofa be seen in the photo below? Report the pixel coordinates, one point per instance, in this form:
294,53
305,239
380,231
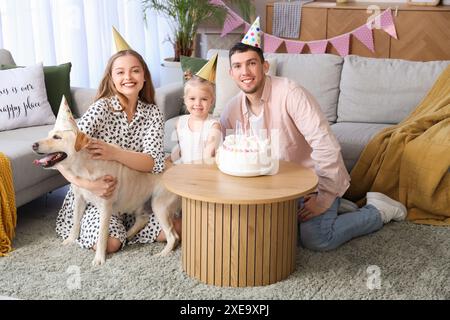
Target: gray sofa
359,96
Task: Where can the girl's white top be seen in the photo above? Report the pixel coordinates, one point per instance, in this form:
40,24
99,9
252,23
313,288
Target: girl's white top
192,143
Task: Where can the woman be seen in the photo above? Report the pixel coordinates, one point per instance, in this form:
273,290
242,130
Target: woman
127,127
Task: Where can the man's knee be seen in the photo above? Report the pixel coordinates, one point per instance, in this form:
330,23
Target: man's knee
314,239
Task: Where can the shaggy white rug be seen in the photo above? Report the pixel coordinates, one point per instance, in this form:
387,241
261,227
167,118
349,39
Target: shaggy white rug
401,261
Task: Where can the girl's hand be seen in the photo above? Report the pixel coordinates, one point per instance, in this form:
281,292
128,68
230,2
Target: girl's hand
101,150
103,187
310,208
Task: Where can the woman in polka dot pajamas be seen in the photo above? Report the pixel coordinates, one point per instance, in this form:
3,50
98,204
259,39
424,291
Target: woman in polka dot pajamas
127,127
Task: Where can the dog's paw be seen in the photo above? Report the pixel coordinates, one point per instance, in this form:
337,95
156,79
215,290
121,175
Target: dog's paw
98,261
167,249
68,241
160,254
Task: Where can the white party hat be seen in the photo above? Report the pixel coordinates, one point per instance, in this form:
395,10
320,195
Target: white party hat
65,120
253,35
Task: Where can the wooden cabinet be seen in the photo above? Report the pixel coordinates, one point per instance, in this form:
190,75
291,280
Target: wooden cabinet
423,32
422,36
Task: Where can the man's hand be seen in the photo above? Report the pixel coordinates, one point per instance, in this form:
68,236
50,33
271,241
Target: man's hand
101,150
310,208
103,187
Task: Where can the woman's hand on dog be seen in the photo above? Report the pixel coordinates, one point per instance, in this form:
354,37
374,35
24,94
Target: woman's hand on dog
104,186
101,150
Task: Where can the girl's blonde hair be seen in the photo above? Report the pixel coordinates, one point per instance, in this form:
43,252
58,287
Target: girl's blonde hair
195,81
107,88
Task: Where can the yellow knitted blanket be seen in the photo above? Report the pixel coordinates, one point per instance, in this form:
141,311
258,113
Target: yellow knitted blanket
410,162
8,217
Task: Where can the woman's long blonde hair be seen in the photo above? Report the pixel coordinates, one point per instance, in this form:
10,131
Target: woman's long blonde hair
107,88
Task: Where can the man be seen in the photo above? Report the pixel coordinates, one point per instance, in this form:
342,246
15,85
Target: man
305,137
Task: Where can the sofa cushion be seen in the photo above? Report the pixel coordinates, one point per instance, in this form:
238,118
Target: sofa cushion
16,145
353,137
384,90
57,83
318,73
23,99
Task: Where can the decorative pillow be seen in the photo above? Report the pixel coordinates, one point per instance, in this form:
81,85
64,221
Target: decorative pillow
57,83
191,65
23,100
226,88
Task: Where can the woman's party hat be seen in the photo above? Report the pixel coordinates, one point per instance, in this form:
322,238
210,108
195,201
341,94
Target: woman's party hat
120,42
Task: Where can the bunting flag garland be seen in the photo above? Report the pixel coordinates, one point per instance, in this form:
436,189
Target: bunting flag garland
387,23
271,43
317,46
232,22
341,43
364,34
294,46
247,27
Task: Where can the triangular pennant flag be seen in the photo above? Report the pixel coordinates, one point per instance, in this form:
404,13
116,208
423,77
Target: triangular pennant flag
253,36
65,120
232,21
341,44
208,71
318,46
271,43
364,34
246,27
294,46
387,23
120,42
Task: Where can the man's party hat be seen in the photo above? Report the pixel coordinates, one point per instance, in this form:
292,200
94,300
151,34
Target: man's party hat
253,36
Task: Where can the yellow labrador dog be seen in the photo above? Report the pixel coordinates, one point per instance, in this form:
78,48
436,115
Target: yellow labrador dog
64,147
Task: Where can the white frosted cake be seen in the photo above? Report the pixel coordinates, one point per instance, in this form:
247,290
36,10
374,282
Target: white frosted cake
241,155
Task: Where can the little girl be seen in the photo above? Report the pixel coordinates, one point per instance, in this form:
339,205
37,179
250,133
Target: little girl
199,135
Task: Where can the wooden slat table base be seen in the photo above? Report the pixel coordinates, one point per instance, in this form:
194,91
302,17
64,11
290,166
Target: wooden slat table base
239,245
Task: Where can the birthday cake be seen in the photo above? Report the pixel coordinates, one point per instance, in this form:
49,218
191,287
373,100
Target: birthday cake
242,155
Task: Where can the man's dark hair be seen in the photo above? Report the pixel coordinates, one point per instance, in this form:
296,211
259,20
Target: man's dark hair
242,47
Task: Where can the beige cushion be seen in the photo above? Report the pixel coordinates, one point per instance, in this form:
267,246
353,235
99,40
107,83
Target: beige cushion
226,88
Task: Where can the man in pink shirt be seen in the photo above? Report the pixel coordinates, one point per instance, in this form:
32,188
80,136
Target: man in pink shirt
305,137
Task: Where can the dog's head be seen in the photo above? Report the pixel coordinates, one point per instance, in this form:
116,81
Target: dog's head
63,141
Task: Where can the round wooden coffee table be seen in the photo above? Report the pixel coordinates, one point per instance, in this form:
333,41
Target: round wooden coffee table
239,231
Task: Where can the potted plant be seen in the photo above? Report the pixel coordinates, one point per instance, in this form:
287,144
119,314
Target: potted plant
187,15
